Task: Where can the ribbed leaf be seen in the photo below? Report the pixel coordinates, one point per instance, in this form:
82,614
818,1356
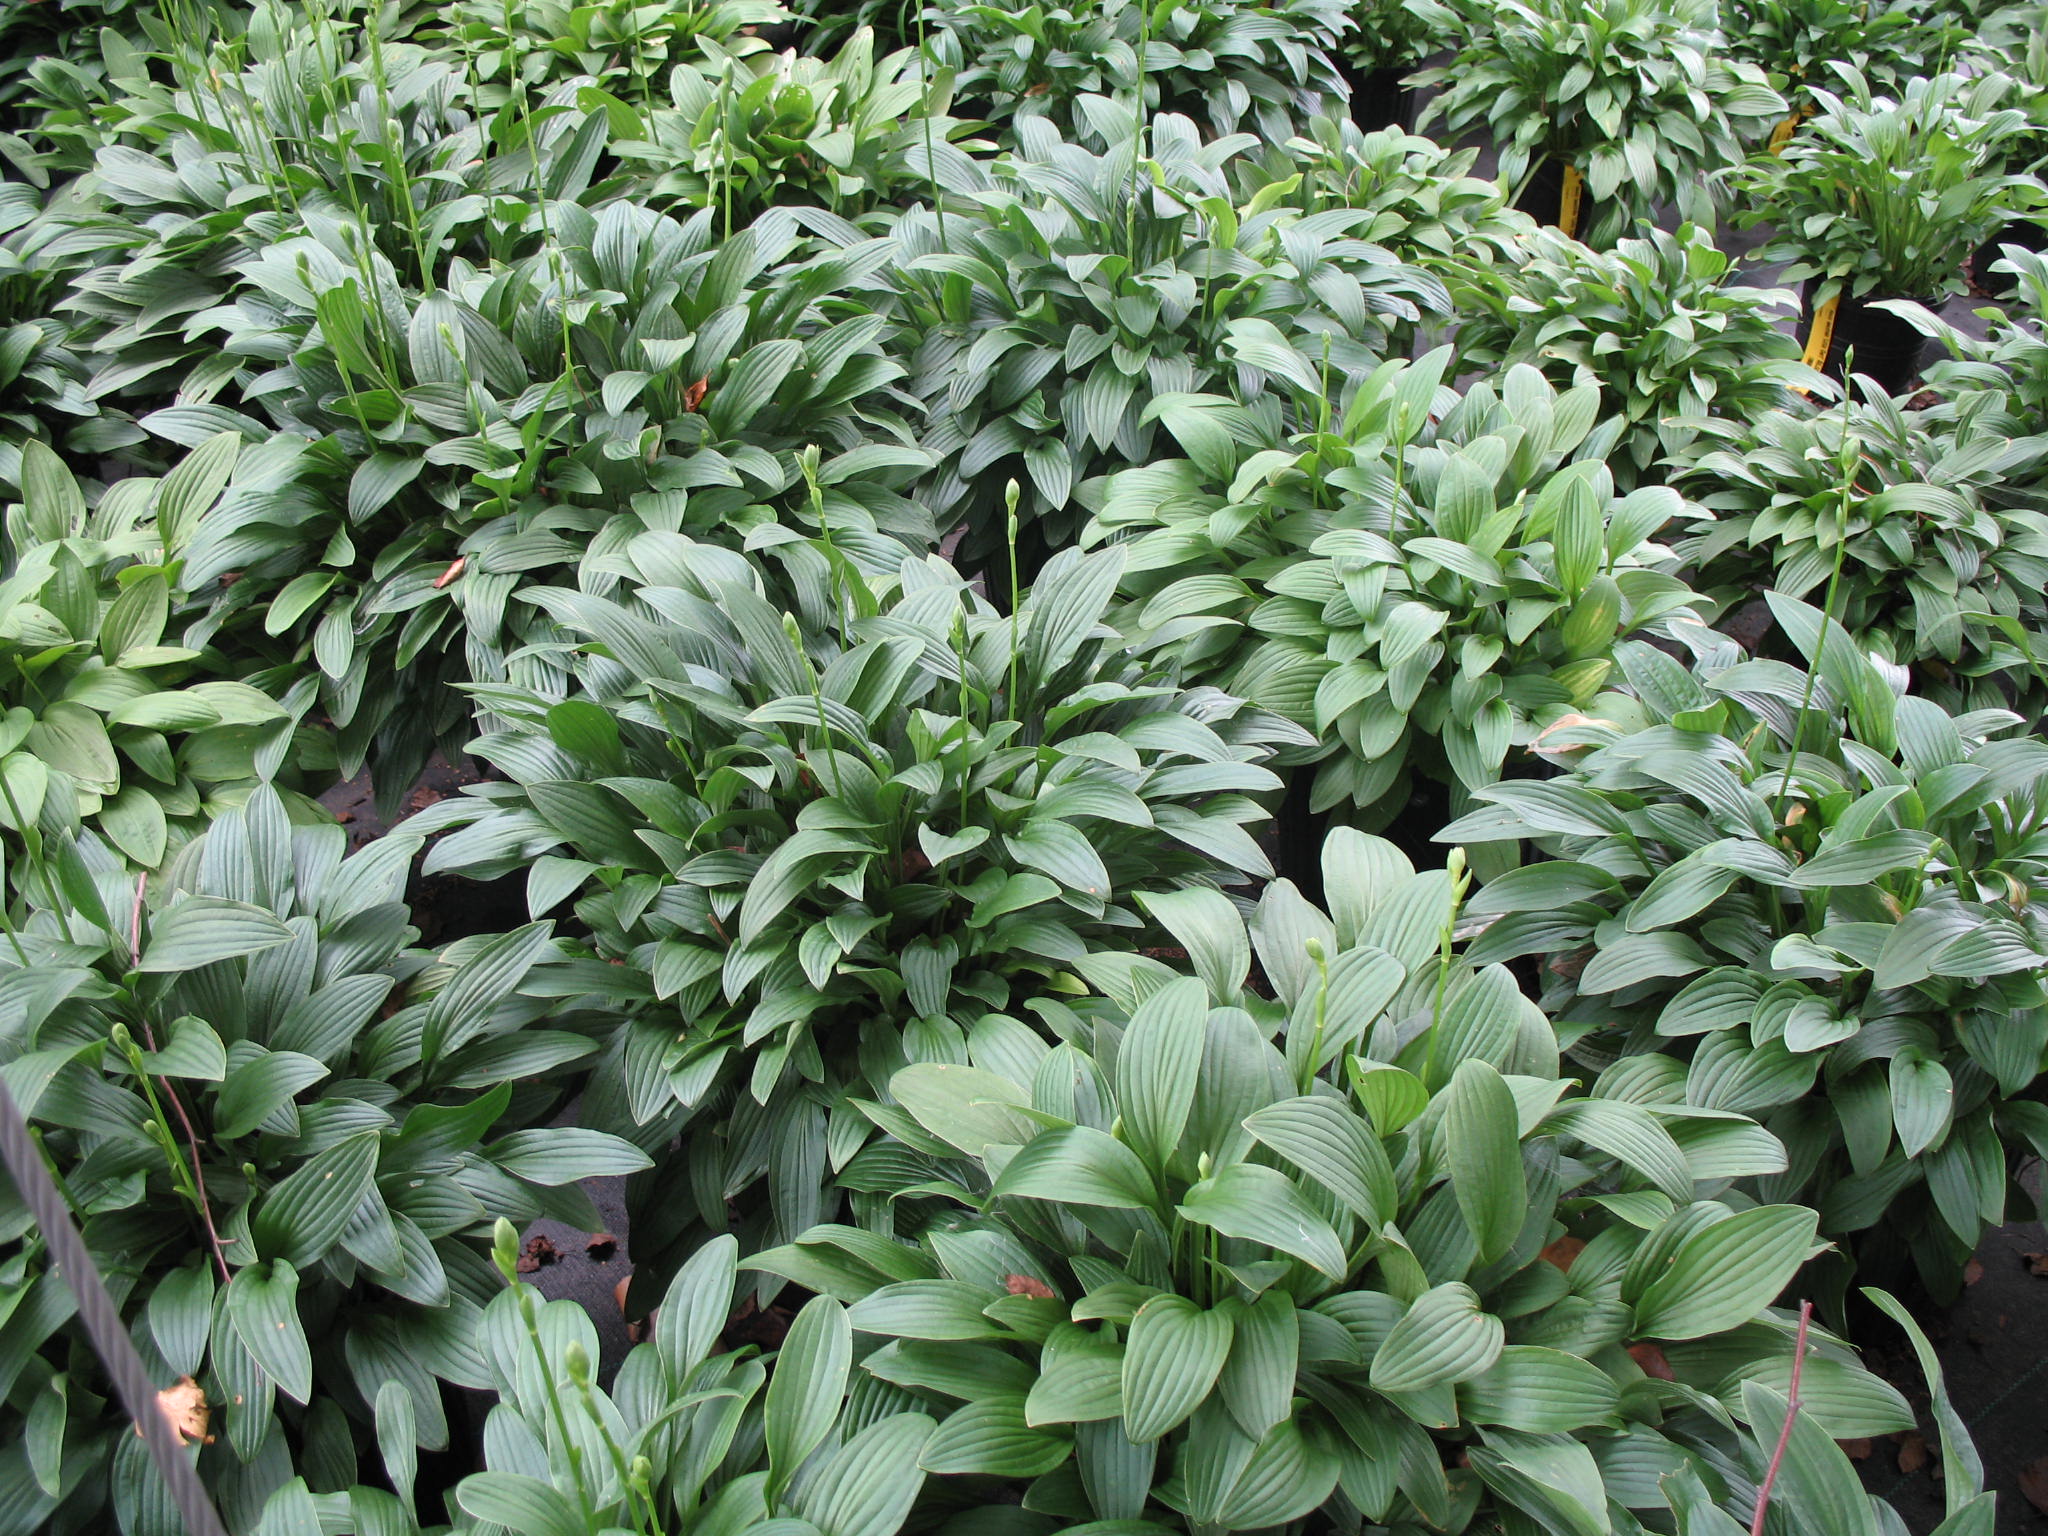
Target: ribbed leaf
1158,1064
1443,1338
1542,1391
1263,1205
1480,1144
1171,1360
807,1387
1332,1145
1723,1275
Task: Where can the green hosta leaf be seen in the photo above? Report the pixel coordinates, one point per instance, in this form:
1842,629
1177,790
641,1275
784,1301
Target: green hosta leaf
1171,1361
1478,1136
1631,1133
1923,1098
1443,1339
1080,1378
1542,1391
1263,1205
1725,1274
1060,850
1080,1165
990,1438
926,1309
1815,1477
1258,1380
871,1482
1287,1477
1333,1146
520,1503
964,1107
254,1091
1555,1482
199,930
556,1155
698,1303
181,1316
1846,1400
1158,1064
1207,924
807,1388
190,1049
134,821
305,1215
263,1306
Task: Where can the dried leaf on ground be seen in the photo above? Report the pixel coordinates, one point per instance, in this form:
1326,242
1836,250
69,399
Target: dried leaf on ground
1912,1451
184,1404
1562,1252
2037,1263
602,1247
2034,1483
538,1252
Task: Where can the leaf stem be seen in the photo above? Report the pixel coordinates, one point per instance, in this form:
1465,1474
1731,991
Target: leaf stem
1763,1492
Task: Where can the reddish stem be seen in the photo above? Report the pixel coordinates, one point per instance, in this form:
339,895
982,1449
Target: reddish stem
1763,1493
191,1136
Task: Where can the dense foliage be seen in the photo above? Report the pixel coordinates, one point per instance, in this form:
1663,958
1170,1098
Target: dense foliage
1212,835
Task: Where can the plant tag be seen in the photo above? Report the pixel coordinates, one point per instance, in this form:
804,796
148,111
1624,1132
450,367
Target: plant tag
1822,334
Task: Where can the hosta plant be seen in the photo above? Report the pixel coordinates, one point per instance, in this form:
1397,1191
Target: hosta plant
1426,206
1656,324
109,722
844,133
1801,44
1350,1247
1395,581
1846,941
1264,66
1640,97
1399,34
519,48
638,374
1904,526
685,1440
1042,328
1999,381
1885,196
285,1136
833,854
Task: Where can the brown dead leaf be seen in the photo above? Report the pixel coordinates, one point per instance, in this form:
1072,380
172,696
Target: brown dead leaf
1652,1360
2034,1483
454,570
693,395
1025,1285
1972,1272
2037,1263
1912,1451
538,1252
1562,1252
1855,1450
184,1404
602,1248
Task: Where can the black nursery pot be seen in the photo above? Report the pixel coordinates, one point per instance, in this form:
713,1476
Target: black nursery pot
2028,234
1543,199
1379,100
1886,345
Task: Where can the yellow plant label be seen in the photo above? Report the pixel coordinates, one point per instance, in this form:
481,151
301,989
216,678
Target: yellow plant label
1822,335
1568,202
